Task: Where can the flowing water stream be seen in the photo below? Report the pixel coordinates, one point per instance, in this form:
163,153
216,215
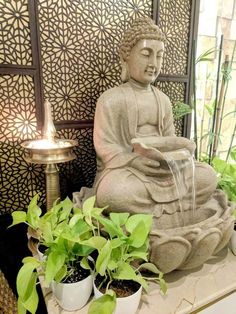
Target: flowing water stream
182,167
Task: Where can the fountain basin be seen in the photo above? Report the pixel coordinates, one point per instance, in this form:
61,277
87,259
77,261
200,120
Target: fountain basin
185,247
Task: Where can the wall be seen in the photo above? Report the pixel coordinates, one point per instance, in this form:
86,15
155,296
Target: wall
216,18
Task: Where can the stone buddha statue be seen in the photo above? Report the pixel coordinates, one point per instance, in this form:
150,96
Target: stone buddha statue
133,134
127,180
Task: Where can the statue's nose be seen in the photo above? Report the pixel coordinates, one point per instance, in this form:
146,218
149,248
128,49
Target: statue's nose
153,61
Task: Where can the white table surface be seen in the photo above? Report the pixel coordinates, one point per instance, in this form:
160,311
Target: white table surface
188,291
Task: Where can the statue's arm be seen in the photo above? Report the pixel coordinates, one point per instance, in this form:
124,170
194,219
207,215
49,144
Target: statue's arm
169,132
168,120
111,131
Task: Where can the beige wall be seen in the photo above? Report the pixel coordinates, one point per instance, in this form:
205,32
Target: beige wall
217,17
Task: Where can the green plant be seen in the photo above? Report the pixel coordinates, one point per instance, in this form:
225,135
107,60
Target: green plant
180,109
226,172
62,230
121,254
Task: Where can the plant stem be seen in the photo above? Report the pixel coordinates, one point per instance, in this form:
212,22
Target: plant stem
194,96
231,142
229,71
201,131
216,99
220,105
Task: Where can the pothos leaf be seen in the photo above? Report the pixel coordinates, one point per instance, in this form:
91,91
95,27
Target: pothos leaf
103,305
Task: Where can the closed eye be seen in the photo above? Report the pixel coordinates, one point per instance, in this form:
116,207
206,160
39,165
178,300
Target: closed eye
145,52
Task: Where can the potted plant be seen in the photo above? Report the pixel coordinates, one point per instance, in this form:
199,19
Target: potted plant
65,264
119,281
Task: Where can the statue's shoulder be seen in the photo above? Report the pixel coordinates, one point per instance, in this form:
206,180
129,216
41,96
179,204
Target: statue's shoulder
162,95
112,95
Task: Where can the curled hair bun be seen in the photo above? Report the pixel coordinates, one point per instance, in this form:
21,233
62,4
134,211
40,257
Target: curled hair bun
142,28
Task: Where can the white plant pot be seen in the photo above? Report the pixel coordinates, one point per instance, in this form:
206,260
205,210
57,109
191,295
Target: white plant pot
232,243
73,296
127,305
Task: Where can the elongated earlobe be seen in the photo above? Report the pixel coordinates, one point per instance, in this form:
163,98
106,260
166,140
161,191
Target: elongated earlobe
125,76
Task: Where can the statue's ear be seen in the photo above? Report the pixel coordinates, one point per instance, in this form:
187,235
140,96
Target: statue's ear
124,70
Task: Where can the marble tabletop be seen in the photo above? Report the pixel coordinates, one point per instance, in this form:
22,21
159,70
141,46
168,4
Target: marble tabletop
188,291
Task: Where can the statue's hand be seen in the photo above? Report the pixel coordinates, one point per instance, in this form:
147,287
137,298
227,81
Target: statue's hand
147,166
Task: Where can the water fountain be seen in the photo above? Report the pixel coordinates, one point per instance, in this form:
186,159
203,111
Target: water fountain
142,167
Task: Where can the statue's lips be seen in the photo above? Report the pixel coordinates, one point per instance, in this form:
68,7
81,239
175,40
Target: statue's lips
150,72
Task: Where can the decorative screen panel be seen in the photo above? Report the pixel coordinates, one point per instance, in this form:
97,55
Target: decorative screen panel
174,21
81,171
20,180
15,46
18,120
79,41
176,92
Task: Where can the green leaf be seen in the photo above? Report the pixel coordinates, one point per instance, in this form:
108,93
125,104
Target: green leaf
84,250
84,263
89,204
61,274
55,209
33,201
55,261
103,258
124,272
116,243
136,255
180,109
32,260
61,228
18,217
80,228
112,264
233,154
97,211
26,287
103,305
150,267
139,235
75,219
219,165
77,210
163,286
96,242
134,220
33,213
24,277
20,307
67,206
210,109
110,227
229,113
47,232
31,303
119,218
205,55
56,202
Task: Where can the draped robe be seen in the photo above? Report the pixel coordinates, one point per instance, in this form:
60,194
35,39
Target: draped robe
117,183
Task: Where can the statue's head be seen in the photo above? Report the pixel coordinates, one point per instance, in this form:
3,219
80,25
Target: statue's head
141,51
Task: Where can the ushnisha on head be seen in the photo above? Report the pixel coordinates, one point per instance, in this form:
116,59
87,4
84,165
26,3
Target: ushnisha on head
141,43
142,28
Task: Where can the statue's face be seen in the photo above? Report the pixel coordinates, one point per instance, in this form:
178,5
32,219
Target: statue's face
145,60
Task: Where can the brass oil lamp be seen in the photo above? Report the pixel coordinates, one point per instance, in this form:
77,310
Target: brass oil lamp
49,151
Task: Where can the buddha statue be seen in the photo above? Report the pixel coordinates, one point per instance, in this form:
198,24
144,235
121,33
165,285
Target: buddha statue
125,179
133,134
